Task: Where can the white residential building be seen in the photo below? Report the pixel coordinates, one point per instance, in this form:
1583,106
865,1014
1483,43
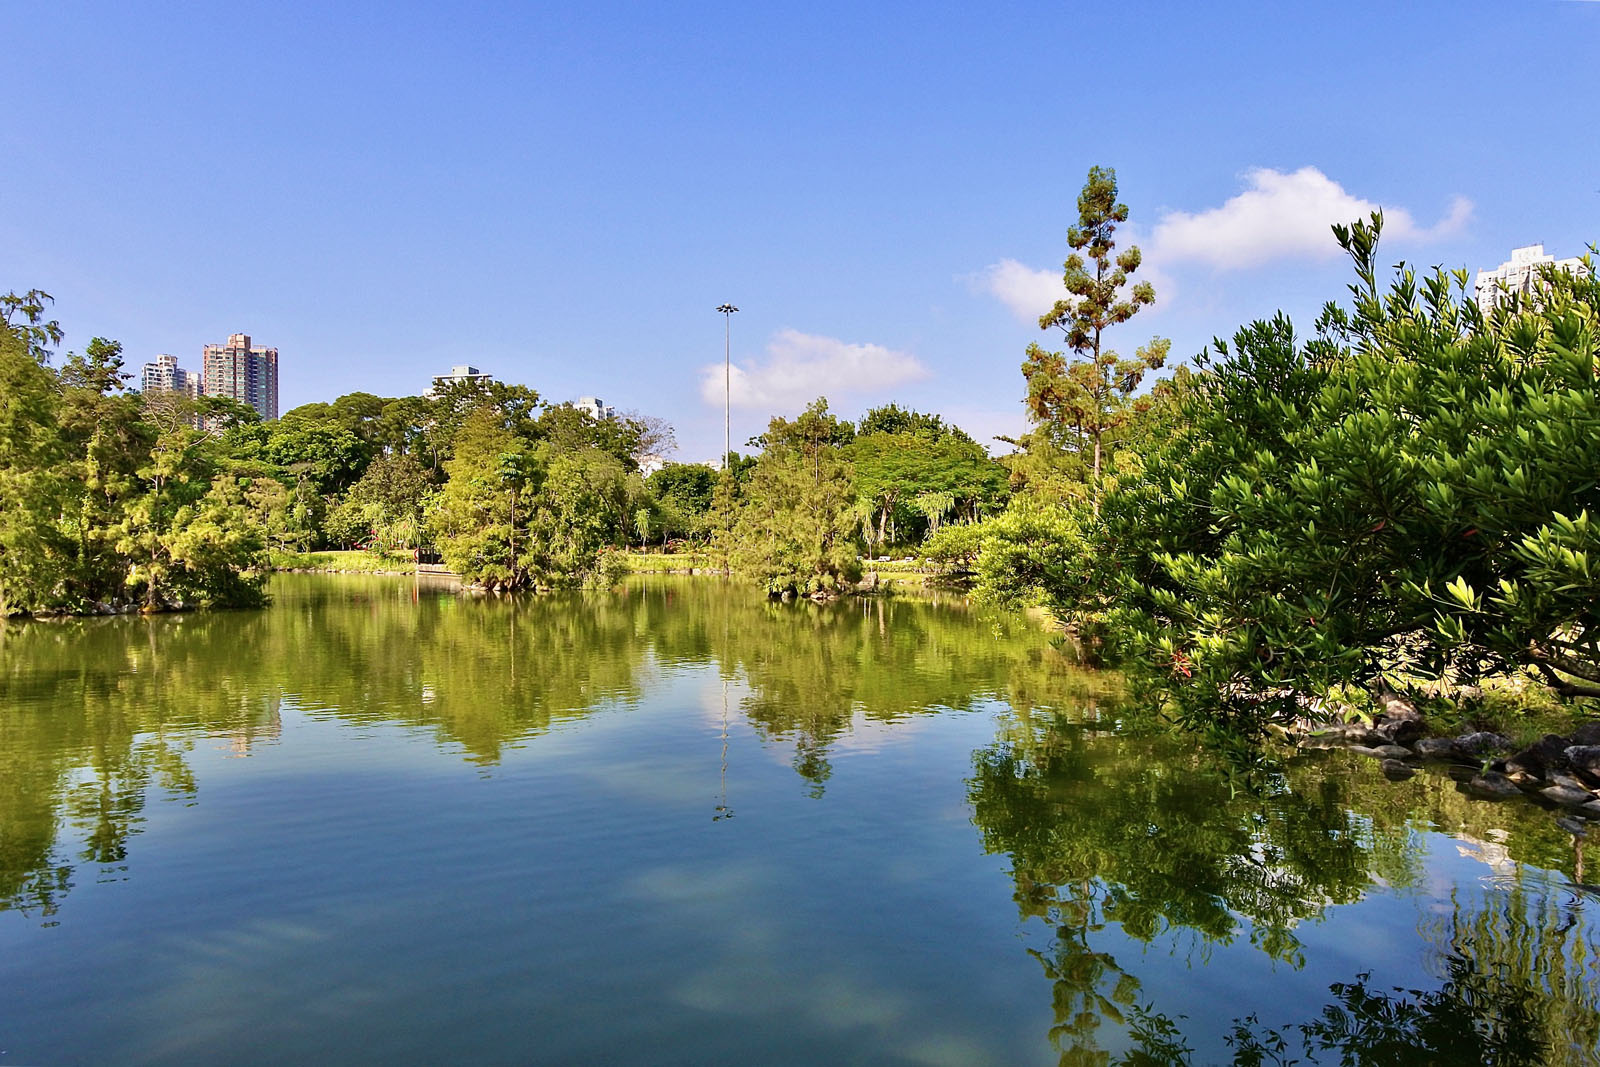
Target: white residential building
596,407
163,375
1518,274
462,372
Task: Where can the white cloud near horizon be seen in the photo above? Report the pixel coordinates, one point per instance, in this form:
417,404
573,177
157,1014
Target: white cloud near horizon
1280,215
1284,216
799,367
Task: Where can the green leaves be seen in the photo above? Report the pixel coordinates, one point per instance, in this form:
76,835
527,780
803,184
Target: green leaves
1407,491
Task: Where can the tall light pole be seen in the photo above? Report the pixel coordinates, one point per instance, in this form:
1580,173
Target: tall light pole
727,376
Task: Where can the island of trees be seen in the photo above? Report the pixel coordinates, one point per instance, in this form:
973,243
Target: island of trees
1403,495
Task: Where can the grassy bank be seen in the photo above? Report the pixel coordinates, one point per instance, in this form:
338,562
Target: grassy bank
669,563
357,562
898,573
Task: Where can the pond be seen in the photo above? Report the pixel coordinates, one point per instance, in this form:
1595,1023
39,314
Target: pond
383,822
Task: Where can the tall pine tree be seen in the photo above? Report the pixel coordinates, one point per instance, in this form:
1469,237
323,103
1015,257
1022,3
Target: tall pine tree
1078,402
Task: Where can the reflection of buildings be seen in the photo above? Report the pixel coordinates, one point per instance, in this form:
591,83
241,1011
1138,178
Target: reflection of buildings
1519,274
267,726
243,373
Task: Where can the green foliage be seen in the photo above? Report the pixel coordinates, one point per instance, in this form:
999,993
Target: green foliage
894,419
104,497
1407,493
954,549
915,472
384,508
515,514
682,493
794,531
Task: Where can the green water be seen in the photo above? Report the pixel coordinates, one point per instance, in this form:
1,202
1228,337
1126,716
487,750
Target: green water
383,823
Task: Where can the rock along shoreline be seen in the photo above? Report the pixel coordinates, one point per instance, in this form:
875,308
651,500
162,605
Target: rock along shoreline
1558,772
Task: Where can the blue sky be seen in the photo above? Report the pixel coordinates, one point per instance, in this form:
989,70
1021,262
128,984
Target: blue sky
562,194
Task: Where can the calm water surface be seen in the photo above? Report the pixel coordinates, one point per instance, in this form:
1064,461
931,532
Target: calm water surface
377,823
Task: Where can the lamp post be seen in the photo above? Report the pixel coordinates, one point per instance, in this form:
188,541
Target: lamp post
727,376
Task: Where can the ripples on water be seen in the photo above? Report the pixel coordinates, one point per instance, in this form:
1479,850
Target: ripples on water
382,822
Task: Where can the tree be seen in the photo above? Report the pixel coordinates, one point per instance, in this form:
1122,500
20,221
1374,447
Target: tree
892,418
1078,402
569,429
918,474
794,527
519,513
32,490
385,506
656,438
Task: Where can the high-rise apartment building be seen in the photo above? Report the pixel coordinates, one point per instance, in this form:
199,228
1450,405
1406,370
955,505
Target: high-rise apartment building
163,375
1518,274
246,374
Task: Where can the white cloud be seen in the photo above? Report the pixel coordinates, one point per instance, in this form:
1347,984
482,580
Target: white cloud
1282,216
801,367
1027,292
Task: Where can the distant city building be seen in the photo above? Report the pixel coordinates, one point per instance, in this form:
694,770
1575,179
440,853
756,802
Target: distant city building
244,373
1518,274
459,373
163,375
596,407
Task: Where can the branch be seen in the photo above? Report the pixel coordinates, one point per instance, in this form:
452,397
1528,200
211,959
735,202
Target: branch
1565,686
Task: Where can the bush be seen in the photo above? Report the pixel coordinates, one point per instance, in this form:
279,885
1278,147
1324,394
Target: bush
1407,494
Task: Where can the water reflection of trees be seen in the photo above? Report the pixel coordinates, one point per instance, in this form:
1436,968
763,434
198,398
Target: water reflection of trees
100,714
1515,969
92,722
1107,827
811,670
1143,833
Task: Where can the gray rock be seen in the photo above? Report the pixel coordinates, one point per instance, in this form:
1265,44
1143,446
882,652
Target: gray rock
1398,707
1541,757
1352,733
1400,731
1481,744
1567,797
1584,758
1396,771
1437,748
1493,786
1566,780
1590,810
1575,827
1587,734
1392,752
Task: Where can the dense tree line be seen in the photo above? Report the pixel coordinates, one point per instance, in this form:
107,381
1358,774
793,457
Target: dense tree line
113,499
